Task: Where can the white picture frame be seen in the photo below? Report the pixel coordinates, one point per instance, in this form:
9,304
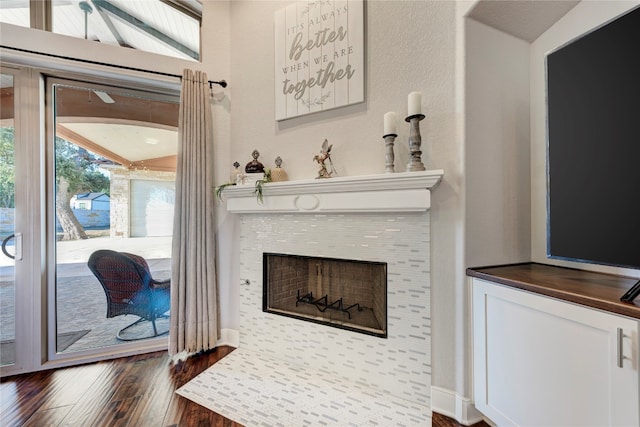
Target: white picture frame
319,56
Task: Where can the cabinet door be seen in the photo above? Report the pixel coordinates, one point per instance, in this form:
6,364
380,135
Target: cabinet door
540,361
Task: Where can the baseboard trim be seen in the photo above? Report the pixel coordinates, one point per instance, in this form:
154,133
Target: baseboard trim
230,337
451,404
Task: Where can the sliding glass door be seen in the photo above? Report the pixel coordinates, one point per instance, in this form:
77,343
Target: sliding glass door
112,189
85,167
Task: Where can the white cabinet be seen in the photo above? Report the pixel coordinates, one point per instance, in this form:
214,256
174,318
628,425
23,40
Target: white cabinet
539,361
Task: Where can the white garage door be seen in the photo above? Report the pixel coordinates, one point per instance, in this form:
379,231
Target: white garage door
152,208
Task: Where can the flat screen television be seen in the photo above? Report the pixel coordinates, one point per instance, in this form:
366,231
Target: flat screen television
593,152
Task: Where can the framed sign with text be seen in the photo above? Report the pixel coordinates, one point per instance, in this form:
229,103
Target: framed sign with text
319,56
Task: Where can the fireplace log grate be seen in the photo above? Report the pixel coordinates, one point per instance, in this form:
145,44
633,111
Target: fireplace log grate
322,303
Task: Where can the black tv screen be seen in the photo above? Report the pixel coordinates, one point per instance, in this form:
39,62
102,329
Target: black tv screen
593,116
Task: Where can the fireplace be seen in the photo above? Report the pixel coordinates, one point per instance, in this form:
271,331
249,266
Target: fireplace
342,293
381,219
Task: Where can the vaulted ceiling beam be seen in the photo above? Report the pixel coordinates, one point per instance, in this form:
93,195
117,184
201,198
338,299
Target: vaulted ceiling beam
109,23
143,26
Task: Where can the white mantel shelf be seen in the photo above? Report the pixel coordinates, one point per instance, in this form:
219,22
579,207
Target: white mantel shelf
391,192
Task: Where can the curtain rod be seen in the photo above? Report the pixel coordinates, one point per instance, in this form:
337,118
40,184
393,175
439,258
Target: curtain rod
86,61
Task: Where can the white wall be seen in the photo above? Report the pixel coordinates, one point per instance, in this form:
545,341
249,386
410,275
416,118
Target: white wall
409,47
497,180
582,18
495,92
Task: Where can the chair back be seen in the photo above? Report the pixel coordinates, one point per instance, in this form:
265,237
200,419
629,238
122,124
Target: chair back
125,279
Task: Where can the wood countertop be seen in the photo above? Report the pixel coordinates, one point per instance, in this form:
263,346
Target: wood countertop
588,288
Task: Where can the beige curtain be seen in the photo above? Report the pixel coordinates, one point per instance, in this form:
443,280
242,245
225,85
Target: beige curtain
195,324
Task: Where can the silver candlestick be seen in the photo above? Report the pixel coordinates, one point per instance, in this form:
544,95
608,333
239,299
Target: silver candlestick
389,156
415,163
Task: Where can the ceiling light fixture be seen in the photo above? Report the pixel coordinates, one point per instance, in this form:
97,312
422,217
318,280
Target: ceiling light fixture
87,9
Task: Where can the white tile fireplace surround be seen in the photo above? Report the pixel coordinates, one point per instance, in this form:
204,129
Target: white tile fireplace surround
380,218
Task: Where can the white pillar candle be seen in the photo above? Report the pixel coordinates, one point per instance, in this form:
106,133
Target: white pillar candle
415,103
389,123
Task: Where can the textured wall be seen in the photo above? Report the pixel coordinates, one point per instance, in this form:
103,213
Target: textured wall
409,46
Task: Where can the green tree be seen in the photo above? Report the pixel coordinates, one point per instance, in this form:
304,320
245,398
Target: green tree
7,168
76,172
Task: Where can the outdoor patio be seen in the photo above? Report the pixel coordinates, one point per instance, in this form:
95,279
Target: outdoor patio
81,302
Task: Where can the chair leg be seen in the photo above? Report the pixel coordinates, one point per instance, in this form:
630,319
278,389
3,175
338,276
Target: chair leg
155,330
140,320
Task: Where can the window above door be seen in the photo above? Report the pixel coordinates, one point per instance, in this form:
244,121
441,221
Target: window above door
165,27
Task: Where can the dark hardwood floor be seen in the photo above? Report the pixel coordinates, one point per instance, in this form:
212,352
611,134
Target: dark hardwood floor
132,391
439,420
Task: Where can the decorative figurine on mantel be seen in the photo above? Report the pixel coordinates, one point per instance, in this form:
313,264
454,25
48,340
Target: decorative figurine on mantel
278,174
235,173
254,166
322,159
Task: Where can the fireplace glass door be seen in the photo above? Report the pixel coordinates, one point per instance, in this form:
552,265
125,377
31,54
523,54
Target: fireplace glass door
347,294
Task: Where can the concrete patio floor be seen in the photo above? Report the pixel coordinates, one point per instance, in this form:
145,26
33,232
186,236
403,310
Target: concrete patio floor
80,301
